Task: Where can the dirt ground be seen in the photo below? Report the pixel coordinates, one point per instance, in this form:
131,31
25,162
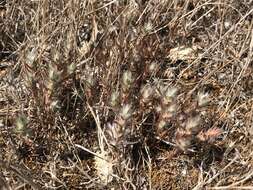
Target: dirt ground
131,94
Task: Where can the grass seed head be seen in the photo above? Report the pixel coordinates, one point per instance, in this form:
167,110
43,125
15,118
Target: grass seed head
146,93
71,68
148,27
90,80
126,111
183,139
54,105
169,94
114,101
161,124
210,135
153,67
172,108
192,124
115,133
127,79
203,99
31,56
54,75
21,125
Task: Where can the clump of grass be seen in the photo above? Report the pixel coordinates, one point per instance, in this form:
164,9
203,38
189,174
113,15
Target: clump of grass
115,94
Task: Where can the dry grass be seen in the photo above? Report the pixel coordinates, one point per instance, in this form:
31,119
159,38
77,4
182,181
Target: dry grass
132,94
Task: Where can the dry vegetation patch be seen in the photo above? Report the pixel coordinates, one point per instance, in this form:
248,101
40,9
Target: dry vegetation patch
133,94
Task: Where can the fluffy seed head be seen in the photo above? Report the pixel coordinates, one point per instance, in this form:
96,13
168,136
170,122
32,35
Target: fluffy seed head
54,75
169,111
169,94
172,108
71,68
210,135
183,139
114,132
21,124
114,99
203,99
146,93
54,105
148,27
153,67
127,79
192,124
161,124
90,80
126,111
31,56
